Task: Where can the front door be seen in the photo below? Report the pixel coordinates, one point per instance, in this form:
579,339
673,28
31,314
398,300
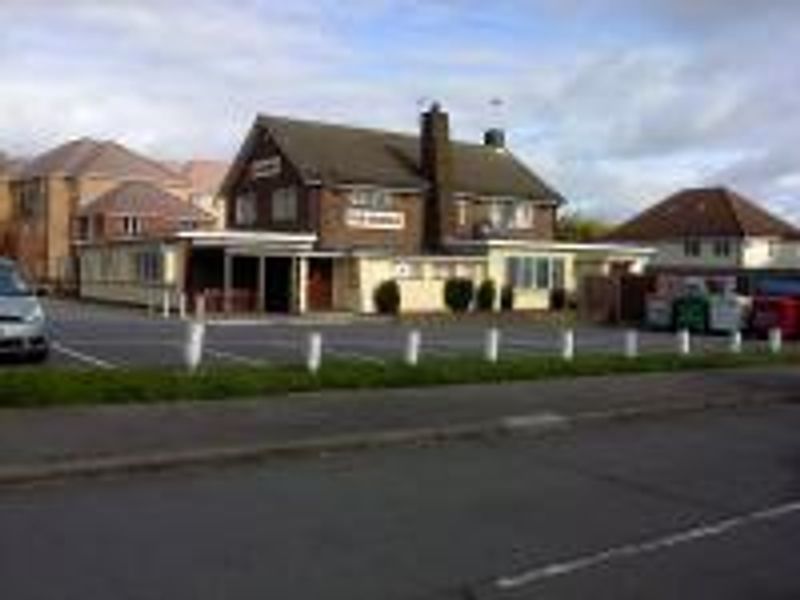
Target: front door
320,284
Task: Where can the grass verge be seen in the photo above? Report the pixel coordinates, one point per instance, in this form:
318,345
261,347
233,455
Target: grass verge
30,388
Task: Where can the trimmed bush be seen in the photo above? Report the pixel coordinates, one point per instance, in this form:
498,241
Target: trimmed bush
485,296
507,298
458,294
387,298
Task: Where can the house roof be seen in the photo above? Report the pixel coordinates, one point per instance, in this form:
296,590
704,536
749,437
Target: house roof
704,212
205,176
86,157
9,166
336,154
139,198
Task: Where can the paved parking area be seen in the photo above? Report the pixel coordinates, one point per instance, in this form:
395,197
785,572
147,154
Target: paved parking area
90,336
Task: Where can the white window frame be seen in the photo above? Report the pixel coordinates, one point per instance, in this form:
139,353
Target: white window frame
692,248
285,205
131,225
526,272
245,208
723,248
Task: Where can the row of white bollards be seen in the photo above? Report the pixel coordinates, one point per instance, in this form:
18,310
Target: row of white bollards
196,330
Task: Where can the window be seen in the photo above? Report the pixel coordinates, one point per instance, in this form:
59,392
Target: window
187,225
375,199
523,215
692,248
461,213
722,248
246,209
543,273
559,277
539,273
149,267
511,214
284,205
131,226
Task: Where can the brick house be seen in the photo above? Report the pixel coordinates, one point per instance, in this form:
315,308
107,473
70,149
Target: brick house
49,191
318,215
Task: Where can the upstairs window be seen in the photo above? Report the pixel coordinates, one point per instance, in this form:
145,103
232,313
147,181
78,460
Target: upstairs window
692,248
722,248
370,198
131,226
284,205
511,214
246,209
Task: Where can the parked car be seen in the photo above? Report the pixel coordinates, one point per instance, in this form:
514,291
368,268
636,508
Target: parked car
23,326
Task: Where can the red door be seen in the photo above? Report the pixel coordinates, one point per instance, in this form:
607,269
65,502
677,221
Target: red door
320,284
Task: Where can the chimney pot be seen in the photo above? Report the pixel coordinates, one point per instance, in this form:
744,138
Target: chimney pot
495,138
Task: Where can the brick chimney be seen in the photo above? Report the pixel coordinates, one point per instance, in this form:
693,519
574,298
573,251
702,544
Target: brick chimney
436,154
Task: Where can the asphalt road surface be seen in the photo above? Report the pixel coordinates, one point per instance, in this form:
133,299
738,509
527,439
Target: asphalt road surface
91,336
693,507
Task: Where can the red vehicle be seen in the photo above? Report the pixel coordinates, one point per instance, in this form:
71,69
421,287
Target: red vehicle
782,312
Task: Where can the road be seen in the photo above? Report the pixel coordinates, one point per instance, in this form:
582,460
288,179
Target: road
92,336
702,506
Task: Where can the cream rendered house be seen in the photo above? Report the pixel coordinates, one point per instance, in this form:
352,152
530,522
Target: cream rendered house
713,230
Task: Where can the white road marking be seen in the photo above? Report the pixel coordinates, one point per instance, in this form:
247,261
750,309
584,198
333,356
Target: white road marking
633,550
87,358
543,420
245,360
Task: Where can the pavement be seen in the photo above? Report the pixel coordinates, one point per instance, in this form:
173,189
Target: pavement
88,336
694,506
40,444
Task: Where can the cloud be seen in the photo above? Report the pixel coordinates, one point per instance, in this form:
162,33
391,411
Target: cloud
616,103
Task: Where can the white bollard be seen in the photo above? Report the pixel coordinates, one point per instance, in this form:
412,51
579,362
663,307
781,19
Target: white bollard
193,347
412,348
182,305
568,344
314,352
775,340
492,345
166,304
631,343
736,342
684,342
200,307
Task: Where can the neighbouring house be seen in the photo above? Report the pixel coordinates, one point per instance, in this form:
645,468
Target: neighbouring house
205,179
6,206
119,238
52,188
318,215
709,231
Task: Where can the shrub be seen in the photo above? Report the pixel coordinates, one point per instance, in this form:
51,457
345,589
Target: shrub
458,294
486,294
558,299
507,298
387,298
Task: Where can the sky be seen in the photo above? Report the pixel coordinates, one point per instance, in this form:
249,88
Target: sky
616,103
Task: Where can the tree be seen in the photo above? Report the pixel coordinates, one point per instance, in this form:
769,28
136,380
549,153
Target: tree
575,227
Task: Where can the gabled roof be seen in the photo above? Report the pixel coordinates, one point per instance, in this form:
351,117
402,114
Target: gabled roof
704,212
336,154
86,157
139,198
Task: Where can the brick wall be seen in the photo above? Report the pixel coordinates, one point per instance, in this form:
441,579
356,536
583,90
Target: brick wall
335,234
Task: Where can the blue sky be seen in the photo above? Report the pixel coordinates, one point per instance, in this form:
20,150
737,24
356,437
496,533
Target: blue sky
615,102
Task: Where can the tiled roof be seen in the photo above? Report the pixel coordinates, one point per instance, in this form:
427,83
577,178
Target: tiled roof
138,198
336,154
205,176
704,212
91,157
